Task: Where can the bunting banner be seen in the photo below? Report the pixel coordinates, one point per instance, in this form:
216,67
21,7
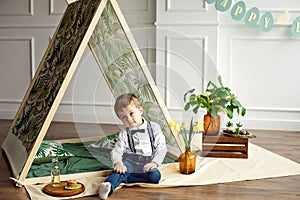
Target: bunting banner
252,16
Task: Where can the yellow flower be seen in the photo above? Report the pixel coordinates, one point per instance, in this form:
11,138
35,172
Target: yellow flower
186,130
184,125
199,126
177,127
173,125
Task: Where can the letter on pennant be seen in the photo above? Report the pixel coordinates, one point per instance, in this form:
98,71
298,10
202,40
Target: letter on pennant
252,17
266,22
223,5
296,27
238,10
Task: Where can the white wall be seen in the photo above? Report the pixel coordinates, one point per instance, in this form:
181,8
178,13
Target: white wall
185,44
261,68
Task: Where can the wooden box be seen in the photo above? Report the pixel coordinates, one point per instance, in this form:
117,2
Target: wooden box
222,146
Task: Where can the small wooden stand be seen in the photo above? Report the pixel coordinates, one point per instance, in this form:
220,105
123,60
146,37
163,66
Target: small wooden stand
60,191
222,146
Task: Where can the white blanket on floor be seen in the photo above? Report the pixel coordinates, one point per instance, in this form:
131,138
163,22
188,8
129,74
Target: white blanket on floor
260,164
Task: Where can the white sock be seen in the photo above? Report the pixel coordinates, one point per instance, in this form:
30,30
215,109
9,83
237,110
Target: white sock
104,189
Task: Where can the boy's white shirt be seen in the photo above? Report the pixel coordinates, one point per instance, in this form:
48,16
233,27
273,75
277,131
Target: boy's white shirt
142,144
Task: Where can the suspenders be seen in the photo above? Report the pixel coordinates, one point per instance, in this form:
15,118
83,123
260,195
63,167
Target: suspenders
151,136
130,140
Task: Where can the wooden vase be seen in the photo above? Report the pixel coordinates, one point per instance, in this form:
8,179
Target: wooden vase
211,124
187,162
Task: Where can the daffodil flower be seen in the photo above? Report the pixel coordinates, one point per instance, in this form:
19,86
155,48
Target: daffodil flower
199,126
187,136
184,125
173,125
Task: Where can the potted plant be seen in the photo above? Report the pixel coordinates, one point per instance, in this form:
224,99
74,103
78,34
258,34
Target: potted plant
187,159
215,99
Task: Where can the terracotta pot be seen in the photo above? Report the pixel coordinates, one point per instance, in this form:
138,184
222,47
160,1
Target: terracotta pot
211,124
187,162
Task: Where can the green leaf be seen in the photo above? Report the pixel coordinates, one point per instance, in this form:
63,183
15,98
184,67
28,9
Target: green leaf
187,106
243,111
229,124
188,92
195,110
184,136
229,111
235,103
239,124
213,112
227,89
204,100
193,98
222,102
191,132
222,94
220,80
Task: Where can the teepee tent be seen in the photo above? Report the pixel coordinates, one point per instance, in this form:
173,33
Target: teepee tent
100,25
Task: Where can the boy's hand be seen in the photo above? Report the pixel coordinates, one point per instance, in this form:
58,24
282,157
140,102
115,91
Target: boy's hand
150,166
120,168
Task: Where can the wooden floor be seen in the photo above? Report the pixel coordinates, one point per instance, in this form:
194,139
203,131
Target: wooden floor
283,143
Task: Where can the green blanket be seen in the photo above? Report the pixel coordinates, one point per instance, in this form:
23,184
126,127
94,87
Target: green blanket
86,159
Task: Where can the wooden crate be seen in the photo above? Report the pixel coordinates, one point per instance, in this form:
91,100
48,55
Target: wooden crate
222,146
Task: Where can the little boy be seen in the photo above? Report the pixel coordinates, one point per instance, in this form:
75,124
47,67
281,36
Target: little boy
140,148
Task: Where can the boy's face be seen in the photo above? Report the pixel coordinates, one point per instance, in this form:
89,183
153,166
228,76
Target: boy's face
131,116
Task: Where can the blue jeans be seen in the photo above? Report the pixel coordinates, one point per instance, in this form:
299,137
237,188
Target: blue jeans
134,174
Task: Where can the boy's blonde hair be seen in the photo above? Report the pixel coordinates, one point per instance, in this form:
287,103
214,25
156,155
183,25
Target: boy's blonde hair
124,100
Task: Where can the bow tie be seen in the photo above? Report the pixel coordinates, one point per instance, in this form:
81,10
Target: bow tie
137,131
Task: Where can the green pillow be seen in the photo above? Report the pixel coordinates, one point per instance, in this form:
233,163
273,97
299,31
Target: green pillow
49,150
